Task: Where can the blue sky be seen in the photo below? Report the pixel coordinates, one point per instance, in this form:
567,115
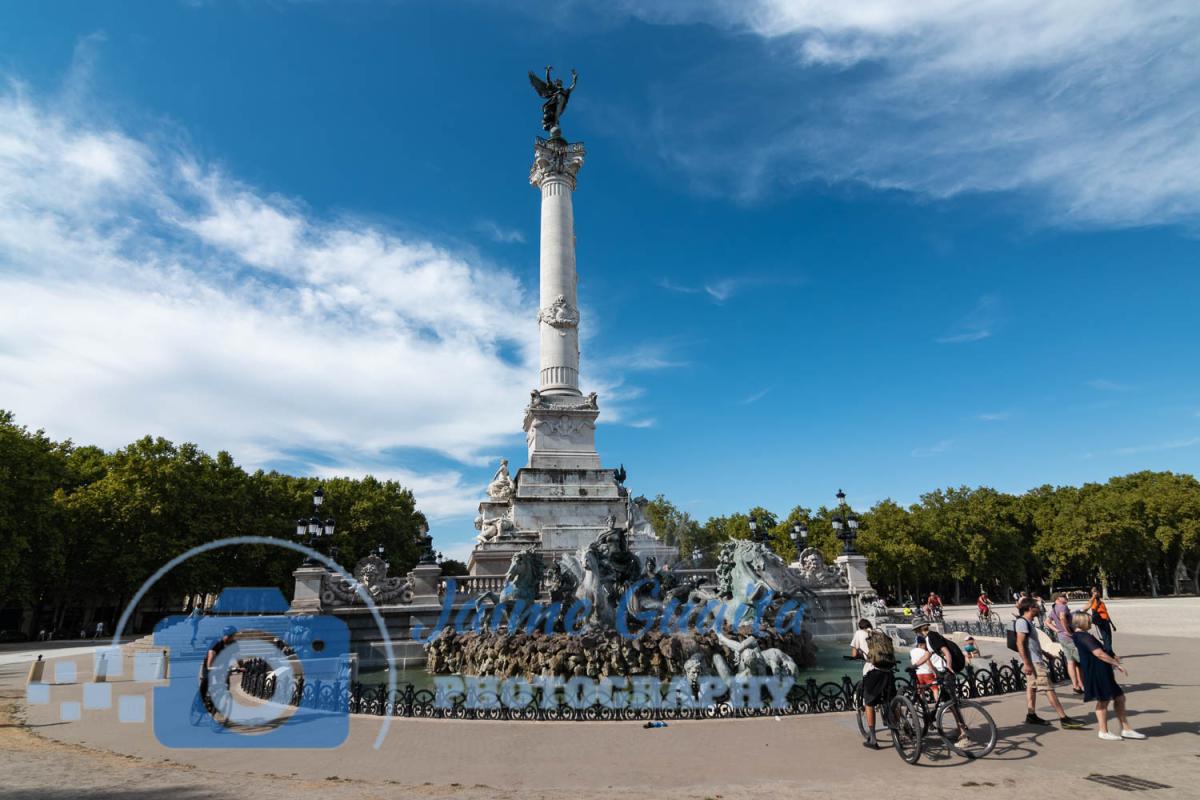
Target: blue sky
821,245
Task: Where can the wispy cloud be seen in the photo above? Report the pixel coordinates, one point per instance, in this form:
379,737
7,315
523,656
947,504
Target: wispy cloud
934,450
976,325
721,289
648,356
1102,385
643,423
1089,107
1174,444
993,416
754,398
498,233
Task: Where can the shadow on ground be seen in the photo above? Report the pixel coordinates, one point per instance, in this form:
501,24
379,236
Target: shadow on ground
122,793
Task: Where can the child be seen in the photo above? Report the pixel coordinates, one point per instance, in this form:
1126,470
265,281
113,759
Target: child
969,649
925,664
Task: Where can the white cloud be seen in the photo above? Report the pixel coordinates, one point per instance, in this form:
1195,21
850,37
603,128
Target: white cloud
993,416
934,450
754,398
146,292
498,233
1090,103
1154,448
976,325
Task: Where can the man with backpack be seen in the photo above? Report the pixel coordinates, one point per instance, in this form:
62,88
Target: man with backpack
952,659
1023,639
875,649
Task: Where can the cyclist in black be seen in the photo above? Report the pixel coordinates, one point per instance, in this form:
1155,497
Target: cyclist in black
227,636
952,660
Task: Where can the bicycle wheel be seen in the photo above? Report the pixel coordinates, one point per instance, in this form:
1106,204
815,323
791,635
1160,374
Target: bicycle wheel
981,729
907,727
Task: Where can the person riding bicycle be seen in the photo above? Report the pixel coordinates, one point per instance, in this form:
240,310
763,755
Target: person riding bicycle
227,636
984,604
952,660
878,685
933,606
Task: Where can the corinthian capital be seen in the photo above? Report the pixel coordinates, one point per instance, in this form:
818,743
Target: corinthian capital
556,158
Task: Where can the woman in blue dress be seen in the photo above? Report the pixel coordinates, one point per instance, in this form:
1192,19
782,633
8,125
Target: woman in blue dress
1098,681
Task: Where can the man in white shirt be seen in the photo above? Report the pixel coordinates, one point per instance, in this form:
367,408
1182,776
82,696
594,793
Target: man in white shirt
877,684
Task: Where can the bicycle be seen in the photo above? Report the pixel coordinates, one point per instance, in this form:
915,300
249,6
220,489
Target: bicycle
965,725
989,617
910,723
900,716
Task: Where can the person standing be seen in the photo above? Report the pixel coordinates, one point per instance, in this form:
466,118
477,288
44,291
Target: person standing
1059,623
1101,619
99,630
878,687
1041,611
1037,675
1099,683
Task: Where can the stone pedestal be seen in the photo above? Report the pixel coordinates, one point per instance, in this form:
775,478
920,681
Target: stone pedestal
855,567
306,598
424,579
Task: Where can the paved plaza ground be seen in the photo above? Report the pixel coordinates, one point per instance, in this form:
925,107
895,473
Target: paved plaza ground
818,756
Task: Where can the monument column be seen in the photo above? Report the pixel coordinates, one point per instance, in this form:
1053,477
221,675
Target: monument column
556,162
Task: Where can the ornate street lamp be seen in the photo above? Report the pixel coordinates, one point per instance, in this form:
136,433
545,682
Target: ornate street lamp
845,525
312,530
799,536
428,554
758,533
697,557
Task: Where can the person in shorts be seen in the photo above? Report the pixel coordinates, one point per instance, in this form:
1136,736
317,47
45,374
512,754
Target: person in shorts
878,686
926,664
1059,624
1037,674
969,649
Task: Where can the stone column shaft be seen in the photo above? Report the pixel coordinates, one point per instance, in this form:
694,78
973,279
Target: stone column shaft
556,163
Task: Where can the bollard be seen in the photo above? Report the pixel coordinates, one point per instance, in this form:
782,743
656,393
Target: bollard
101,675
36,670
166,666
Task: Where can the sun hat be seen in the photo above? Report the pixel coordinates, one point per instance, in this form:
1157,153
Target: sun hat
919,623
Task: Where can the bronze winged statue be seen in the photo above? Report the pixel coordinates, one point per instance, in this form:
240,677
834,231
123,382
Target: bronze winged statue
556,96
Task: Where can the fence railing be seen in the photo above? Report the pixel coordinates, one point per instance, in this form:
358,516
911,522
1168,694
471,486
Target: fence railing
809,697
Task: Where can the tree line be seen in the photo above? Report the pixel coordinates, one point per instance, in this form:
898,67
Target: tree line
81,529
1137,533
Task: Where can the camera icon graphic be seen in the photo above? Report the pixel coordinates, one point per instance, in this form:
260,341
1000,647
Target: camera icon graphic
248,676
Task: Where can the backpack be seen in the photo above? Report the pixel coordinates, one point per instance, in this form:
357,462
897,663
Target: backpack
958,661
1010,636
880,652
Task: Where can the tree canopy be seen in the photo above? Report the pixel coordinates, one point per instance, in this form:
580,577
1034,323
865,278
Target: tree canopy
82,526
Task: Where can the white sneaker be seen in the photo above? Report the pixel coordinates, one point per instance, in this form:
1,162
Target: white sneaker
1132,734
1109,737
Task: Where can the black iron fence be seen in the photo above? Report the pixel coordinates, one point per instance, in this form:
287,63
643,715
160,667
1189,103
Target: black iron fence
809,697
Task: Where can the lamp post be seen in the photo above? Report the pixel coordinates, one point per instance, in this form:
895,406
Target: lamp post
428,554
799,534
697,557
312,530
758,533
845,525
